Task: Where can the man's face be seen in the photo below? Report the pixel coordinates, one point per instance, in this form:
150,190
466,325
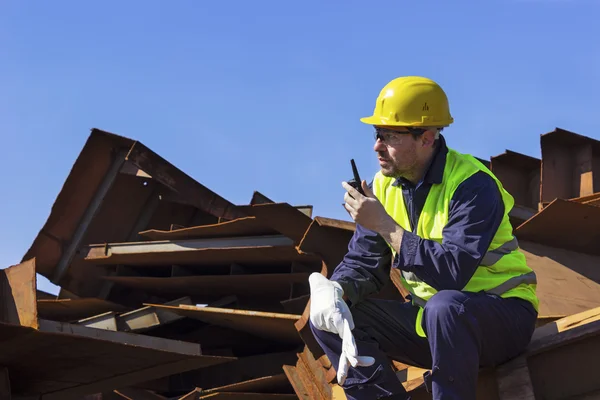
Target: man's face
397,152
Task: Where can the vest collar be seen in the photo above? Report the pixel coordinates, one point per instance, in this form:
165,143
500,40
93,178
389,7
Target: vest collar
435,171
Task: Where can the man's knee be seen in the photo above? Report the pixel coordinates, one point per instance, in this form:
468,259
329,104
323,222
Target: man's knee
444,305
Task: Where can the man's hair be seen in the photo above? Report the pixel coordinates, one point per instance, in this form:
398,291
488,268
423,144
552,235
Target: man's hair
437,130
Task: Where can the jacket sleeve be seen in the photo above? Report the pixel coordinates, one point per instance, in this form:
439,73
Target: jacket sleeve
365,268
475,213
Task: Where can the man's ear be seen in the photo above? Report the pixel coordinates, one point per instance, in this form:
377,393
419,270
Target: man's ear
428,138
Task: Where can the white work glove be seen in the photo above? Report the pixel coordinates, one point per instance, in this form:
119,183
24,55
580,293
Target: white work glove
329,312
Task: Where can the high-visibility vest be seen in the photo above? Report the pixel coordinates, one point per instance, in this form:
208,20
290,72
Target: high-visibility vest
503,269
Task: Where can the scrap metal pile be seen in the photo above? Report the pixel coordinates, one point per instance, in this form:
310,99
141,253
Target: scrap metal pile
169,291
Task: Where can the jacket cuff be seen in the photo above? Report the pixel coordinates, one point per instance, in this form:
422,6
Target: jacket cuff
349,291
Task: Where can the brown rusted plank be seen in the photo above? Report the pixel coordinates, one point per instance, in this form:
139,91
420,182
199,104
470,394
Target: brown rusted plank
94,360
248,396
242,369
520,175
329,239
570,165
265,250
247,226
308,379
284,218
173,178
319,375
138,394
258,285
18,290
564,224
266,384
259,198
74,309
567,366
568,281
566,323
292,374
275,326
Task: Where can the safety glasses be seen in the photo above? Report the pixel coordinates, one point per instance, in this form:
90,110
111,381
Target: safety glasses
391,137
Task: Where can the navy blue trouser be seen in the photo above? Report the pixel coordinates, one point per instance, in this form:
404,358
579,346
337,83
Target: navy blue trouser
465,331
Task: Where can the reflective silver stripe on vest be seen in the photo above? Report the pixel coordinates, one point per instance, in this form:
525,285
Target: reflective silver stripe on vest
493,256
528,278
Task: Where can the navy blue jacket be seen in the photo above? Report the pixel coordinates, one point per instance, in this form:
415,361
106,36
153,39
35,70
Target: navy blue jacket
475,212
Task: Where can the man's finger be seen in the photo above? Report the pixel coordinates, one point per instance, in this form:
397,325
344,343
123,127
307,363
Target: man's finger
350,189
342,369
350,200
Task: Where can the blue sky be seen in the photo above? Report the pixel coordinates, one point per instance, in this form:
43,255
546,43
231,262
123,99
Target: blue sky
267,95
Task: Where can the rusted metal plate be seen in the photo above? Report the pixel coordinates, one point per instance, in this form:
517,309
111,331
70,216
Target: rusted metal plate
74,309
176,180
266,384
242,369
64,361
566,225
102,202
275,326
259,285
570,165
329,239
562,357
293,376
282,217
249,396
244,250
18,290
248,226
520,175
568,282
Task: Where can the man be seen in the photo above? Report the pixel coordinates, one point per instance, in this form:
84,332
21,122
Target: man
441,218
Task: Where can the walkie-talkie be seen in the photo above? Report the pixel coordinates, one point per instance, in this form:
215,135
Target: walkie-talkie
356,182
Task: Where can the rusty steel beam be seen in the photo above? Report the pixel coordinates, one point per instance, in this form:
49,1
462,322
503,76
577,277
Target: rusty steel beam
179,182
88,215
564,224
520,176
570,165
138,320
18,294
247,226
284,218
274,326
273,285
66,310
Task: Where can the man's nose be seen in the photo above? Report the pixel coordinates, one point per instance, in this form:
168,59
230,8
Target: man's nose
379,146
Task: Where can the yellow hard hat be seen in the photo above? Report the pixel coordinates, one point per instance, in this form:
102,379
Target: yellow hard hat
411,101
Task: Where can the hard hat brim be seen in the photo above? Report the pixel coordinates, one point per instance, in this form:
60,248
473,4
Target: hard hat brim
375,120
